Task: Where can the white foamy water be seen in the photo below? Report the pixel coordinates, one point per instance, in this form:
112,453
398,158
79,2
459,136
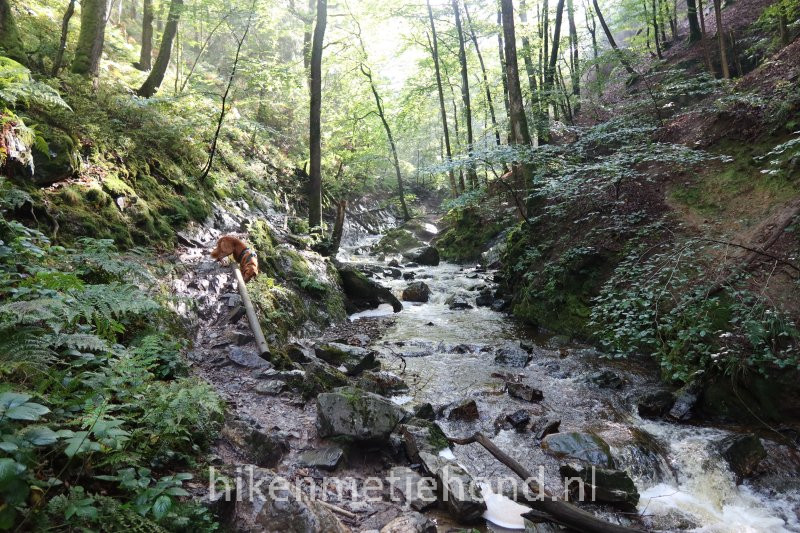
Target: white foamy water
502,511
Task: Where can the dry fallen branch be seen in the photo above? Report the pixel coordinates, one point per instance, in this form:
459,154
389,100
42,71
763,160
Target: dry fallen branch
550,507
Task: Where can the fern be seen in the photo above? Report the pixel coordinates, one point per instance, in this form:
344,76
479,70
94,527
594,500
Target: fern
18,88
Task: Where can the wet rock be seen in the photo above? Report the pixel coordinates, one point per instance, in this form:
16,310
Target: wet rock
271,387
519,419
685,400
382,382
422,436
324,458
535,523
260,447
461,495
393,272
236,314
485,298
605,379
353,358
408,275
466,410
425,255
277,508
604,485
655,404
247,358
417,291
558,341
743,453
582,446
424,411
500,305
354,414
410,523
397,240
239,338
523,391
363,293
544,426
511,354
394,263
320,377
418,492
456,301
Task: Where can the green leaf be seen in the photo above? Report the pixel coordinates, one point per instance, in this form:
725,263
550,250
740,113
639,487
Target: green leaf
40,436
8,447
161,506
176,491
12,399
9,469
7,516
27,411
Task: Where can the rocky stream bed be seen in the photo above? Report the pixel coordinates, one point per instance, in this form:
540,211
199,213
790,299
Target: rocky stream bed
372,398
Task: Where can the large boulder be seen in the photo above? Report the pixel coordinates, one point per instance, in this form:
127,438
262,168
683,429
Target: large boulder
586,447
743,453
324,457
655,404
267,502
425,255
422,436
417,291
353,359
356,415
603,485
61,162
363,293
685,400
456,302
511,354
396,241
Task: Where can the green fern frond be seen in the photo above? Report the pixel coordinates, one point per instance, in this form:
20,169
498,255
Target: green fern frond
25,345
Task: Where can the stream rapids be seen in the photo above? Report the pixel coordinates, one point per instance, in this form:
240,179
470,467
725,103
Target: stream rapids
683,482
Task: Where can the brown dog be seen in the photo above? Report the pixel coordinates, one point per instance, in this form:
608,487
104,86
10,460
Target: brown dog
230,245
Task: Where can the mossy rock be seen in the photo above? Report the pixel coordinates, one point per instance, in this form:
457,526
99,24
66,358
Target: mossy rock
467,236
62,161
397,241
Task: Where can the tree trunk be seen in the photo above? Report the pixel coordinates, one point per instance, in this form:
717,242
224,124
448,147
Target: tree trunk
462,58
62,44
783,25
489,103
379,105
592,29
549,74
723,51
540,122
434,47
703,40
573,41
156,76
91,38
610,38
545,36
502,55
694,24
338,226
315,133
146,53
655,30
307,37
10,41
520,134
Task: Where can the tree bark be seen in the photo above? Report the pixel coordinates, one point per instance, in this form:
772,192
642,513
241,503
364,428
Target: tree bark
146,53
723,49
434,47
315,133
704,40
573,41
379,105
338,226
489,102
655,30
549,75
694,23
156,76
91,38
502,55
610,38
62,44
10,41
462,59
520,135
536,102
592,29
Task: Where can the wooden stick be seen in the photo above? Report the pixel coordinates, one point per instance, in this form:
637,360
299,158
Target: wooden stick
252,318
336,509
550,507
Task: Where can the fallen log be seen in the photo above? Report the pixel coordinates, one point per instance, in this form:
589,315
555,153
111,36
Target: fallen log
548,507
252,317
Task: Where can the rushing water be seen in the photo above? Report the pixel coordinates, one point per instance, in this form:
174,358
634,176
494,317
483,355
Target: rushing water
684,484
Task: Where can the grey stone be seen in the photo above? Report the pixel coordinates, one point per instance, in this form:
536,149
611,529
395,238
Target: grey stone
271,387
743,453
582,446
425,255
424,411
544,426
685,400
410,523
363,293
260,447
603,485
655,404
418,492
422,436
247,358
352,413
353,358
324,458
462,496
382,382
457,302
466,410
511,354
417,291
605,379
523,391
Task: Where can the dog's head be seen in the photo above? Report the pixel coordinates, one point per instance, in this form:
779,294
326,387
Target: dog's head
249,271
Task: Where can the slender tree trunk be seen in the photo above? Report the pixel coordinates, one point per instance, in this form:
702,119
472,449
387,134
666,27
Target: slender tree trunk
519,123
146,53
550,93
338,226
575,60
62,44
502,55
465,96
307,36
540,122
379,105
91,38
704,40
723,49
156,76
226,94
545,37
783,25
694,23
434,47
315,130
592,29
489,103
655,30
610,38
662,24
